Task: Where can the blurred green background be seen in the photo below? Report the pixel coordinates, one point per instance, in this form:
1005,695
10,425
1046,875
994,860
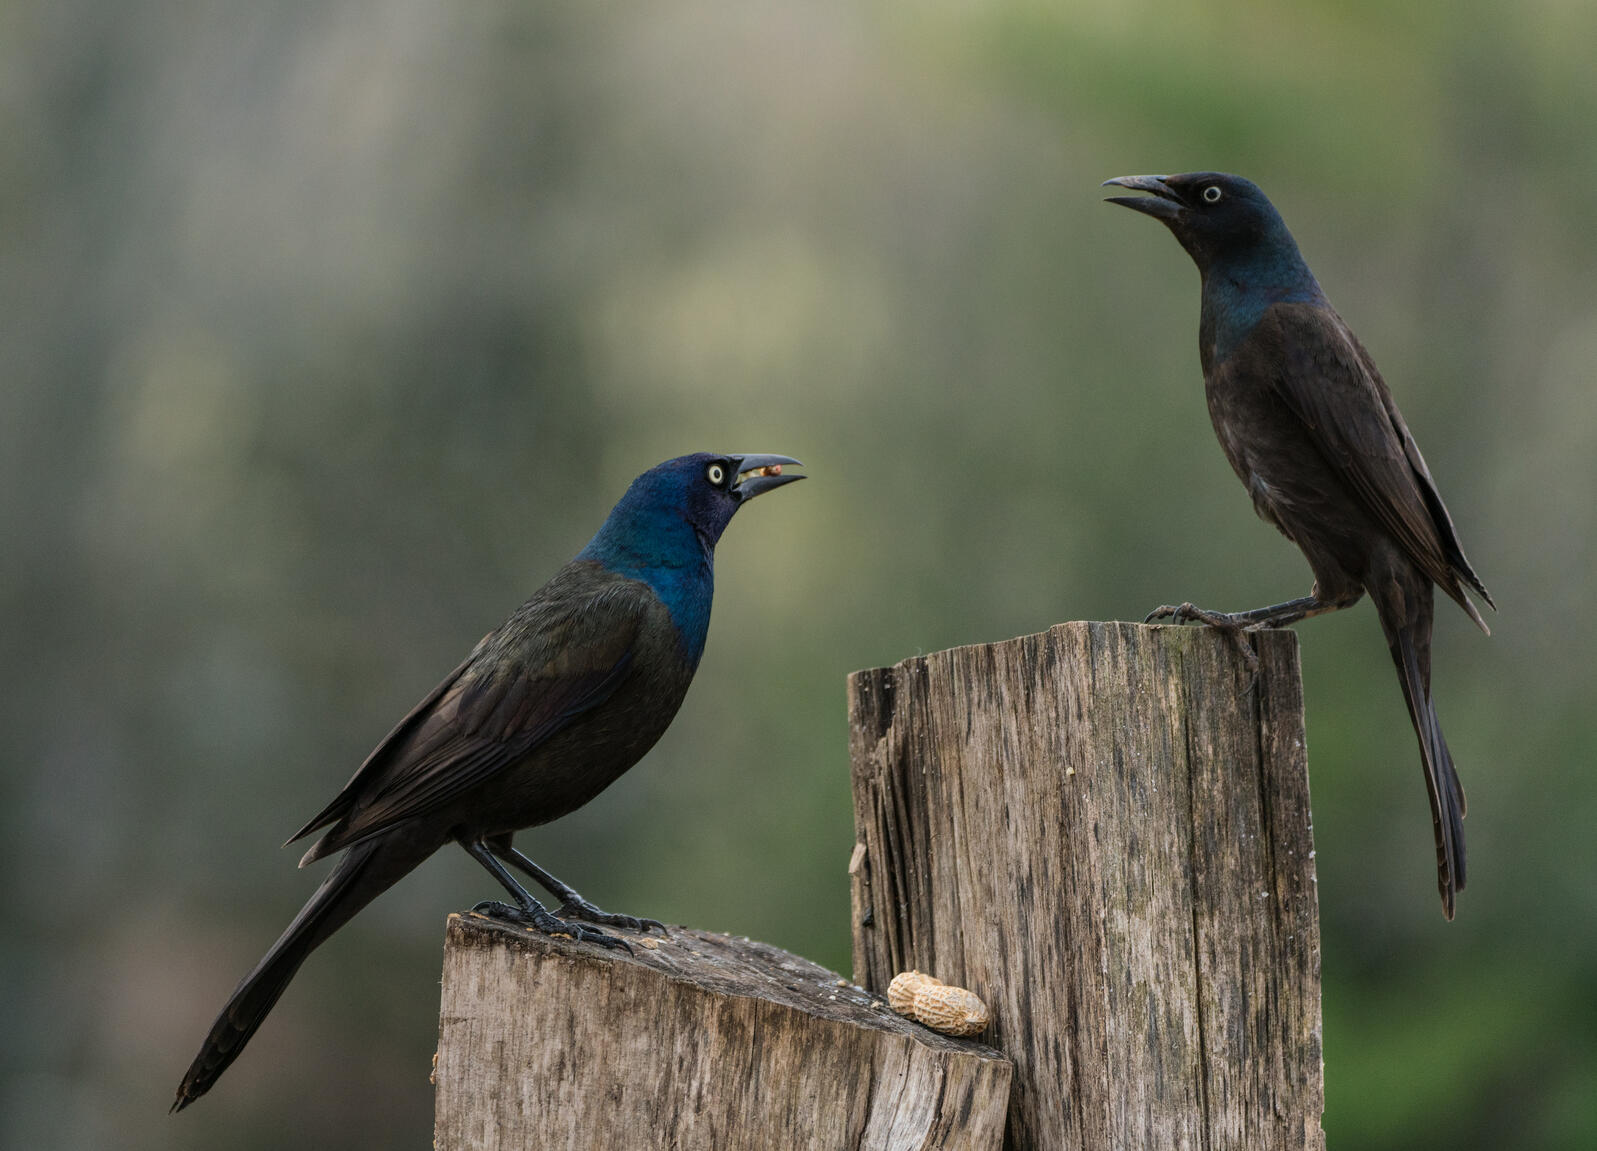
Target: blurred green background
329,330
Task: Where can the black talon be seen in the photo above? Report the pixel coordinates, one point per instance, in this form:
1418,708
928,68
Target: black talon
582,909
602,938
539,918
572,905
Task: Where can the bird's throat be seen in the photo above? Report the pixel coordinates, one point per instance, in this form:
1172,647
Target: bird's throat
1236,298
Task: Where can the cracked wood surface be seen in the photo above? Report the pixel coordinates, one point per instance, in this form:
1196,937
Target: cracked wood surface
701,1041
1104,831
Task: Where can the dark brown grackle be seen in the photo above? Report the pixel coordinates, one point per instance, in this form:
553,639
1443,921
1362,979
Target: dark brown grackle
1312,431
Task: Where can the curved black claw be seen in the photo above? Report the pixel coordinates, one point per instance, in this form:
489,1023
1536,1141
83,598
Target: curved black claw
539,919
500,910
580,908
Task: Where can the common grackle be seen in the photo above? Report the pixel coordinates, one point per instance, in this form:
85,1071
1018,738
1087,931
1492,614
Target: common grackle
546,712
1312,431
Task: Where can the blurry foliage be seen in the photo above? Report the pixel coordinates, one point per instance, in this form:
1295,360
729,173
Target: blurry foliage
330,330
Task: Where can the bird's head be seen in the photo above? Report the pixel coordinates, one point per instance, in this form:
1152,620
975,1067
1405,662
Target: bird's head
1220,220
681,506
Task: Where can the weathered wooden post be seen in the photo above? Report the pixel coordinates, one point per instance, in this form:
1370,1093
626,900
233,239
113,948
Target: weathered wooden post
1103,830
694,1041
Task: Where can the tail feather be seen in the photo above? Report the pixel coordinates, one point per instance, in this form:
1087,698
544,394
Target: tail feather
1469,607
353,884
1408,635
1452,776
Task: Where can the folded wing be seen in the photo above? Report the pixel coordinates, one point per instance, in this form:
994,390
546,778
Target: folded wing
562,654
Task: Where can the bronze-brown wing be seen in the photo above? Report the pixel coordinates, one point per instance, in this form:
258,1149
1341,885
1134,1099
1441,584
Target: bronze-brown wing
1329,381
345,799
549,663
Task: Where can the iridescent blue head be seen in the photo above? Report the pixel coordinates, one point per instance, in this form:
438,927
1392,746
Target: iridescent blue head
1242,247
663,532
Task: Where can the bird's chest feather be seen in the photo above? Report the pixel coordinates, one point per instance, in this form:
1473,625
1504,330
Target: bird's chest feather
1238,344
597,748
1267,445
1238,295
1239,407
682,579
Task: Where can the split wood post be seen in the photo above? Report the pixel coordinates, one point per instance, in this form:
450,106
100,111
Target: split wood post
695,1040
1103,830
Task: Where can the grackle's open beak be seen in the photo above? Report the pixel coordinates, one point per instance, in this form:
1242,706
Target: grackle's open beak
758,474
1165,203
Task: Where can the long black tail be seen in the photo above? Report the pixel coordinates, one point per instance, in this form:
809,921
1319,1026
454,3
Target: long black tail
365,871
1405,609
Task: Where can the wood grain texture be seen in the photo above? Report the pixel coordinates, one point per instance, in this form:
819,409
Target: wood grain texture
1103,830
705,1041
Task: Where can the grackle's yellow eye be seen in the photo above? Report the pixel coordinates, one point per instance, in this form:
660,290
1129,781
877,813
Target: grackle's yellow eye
1212,194
715,473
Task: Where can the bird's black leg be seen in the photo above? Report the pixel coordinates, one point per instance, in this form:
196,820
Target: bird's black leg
1276,615
572,905
1236,622
1187,612
528,910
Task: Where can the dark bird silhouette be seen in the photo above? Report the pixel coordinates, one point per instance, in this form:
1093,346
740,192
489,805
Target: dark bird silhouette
1312,431
544,714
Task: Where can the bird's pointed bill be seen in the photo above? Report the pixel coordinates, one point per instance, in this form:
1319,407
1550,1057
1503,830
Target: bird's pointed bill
758,474
1163,202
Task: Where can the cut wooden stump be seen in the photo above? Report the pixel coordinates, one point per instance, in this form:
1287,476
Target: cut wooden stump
702,1041
1103,831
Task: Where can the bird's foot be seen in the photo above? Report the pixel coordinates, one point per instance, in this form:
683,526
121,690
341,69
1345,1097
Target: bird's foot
1192,613
538,918
572,905
579,908
1233,625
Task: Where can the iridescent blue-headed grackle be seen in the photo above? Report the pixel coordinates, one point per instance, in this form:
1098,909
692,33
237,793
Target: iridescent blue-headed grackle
1312,431
546,712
